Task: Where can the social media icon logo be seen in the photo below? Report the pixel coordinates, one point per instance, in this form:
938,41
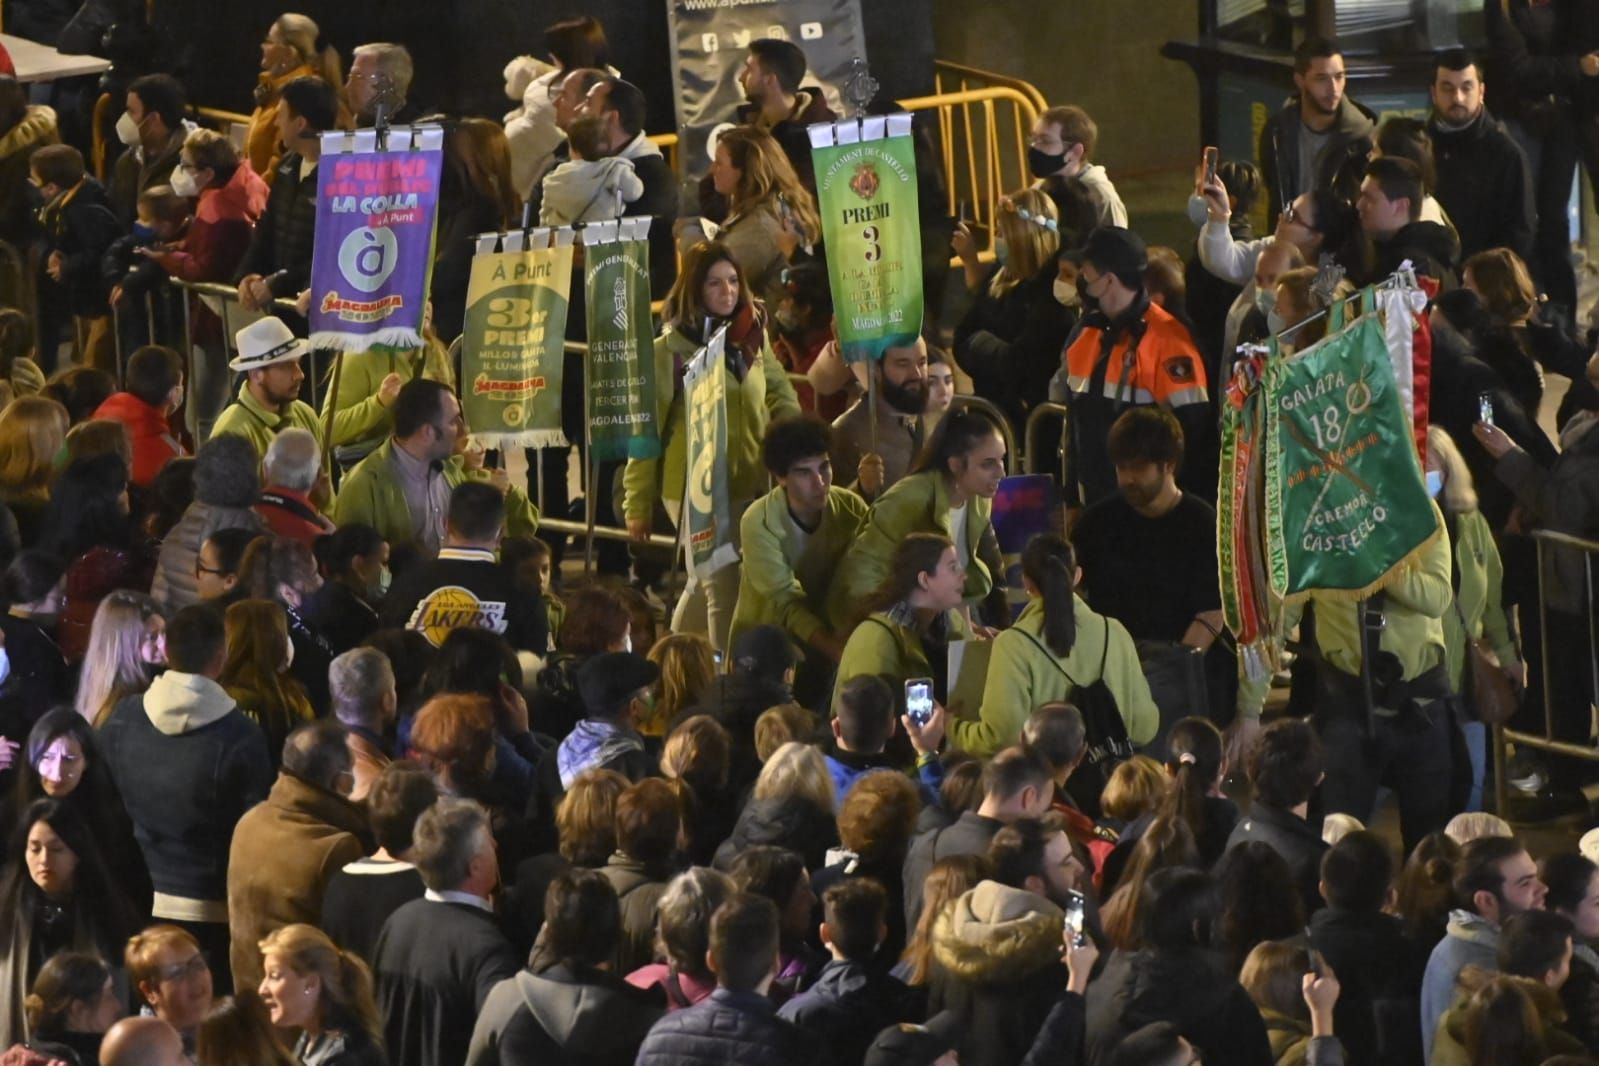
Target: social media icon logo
810,31
708,42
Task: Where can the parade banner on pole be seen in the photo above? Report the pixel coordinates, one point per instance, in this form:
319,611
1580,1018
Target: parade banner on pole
866,192
621,367
513,339
375,215
1346,503
705,494
1239,549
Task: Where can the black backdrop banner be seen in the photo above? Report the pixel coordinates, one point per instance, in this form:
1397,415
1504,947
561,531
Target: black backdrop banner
710,39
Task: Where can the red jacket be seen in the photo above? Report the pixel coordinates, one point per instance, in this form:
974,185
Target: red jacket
291,514
153,440
220,233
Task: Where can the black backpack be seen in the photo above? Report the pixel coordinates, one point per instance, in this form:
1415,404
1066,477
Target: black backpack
1105,732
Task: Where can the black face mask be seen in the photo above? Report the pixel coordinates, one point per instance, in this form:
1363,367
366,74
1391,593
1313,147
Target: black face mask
1043,163
1090,302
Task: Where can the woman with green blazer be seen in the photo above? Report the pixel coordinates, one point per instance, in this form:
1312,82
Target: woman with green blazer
1477,612
710,292
1058,646
908,622
950,492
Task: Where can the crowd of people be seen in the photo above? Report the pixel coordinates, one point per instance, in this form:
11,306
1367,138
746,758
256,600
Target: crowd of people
313,752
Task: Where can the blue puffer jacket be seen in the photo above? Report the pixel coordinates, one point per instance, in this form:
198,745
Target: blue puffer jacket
729,1029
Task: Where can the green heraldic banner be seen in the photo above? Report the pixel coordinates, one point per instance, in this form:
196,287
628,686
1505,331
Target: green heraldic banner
512,343
621,364
709,514
866,191
1346,502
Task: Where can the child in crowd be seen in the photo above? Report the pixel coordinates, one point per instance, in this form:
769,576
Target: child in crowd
528,560
131,270
589,187
78,227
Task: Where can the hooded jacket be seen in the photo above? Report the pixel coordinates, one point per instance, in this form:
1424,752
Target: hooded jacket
213,767
562,1017
1484,184
17,145
224,219
1469,940
997,963
1187,988
1350,136
285,851
1449,1043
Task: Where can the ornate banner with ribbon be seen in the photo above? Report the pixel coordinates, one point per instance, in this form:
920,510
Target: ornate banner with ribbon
512,342
1238,528
705,497
1346,502
866,192
621,367
375,215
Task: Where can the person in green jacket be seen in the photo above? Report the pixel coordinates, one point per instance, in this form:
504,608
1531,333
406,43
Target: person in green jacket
950,492
1407,734
269,397
368,383
710,293
1058,646
909,620
1478,613
403,488
793,539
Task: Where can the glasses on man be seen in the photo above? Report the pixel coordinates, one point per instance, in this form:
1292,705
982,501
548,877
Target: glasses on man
182,971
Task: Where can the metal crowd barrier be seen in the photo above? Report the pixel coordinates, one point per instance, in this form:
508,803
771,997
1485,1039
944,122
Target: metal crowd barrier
1548,540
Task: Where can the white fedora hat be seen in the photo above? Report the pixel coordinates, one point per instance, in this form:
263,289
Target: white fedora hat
264,343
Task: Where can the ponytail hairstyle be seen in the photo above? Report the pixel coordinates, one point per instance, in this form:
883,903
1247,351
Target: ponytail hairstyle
914,556
302,34
1193,757
957,433
66,978
346,1001
1050,564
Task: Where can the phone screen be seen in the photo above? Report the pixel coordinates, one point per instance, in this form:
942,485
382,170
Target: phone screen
919,699
1485,407
1075,911
1210,165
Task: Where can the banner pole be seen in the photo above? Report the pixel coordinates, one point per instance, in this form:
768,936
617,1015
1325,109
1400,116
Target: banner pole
590,508
333,410
871,406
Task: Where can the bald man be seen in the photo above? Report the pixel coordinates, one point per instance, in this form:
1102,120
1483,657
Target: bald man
142,1042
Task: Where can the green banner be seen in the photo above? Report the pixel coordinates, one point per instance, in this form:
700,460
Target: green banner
512,341
1346,502
866,192
705,505
621,366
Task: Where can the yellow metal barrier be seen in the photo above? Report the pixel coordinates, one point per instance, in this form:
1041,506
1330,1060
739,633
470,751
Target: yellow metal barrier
950,77
983,149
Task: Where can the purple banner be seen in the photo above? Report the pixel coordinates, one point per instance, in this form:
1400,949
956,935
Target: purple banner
375,215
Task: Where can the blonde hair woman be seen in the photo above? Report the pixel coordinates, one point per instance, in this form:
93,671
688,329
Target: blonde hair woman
125,641
770,214
32,431
312,986
291,50
791,807
687,667
256,671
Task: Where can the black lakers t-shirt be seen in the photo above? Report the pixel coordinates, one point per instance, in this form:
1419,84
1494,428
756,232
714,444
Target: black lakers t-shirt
467,587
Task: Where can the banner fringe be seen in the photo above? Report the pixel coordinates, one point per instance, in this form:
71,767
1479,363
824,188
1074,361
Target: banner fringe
357,343
1411,560
527,438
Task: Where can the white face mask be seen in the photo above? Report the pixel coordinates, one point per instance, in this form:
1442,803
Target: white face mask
183,183
128,130
1435,483
1066,293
